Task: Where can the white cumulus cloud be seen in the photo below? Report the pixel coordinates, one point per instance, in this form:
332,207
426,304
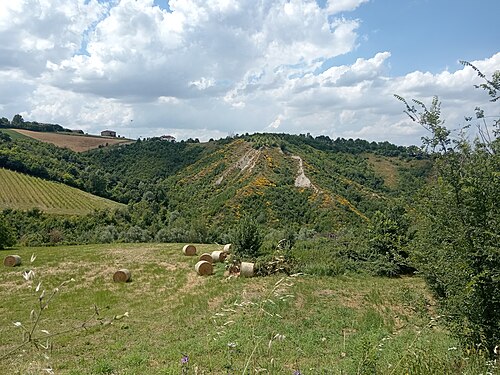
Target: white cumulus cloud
208,68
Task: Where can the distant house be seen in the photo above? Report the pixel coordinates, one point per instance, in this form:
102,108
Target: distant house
167,138
108,133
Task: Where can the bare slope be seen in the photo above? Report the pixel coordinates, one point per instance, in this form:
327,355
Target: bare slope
20,191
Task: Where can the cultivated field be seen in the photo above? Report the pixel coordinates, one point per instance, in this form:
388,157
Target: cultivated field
13,134
75,142
271,325
24,192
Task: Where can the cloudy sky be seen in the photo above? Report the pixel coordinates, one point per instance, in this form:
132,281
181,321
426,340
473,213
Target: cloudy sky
208,68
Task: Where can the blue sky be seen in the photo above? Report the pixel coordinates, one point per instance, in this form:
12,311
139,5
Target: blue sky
206,69
429,35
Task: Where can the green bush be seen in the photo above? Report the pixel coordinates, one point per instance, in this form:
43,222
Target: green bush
389,237
247,239
7,238
457,248
135,234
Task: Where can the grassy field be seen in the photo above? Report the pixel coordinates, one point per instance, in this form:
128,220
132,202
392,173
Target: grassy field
271,325
13,134
20,191
75,142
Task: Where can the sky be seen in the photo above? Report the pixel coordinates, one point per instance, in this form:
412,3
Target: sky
211,68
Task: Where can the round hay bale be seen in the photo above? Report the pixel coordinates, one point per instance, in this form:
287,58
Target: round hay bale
228,247
189,250
204,268
247,269
219,256
207,257
12,261
122,276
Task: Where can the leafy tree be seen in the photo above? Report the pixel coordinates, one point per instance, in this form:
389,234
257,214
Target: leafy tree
459,217
7,238
4,122
17,120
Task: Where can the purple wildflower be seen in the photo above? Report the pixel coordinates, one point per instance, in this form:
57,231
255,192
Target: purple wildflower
297,372
184,360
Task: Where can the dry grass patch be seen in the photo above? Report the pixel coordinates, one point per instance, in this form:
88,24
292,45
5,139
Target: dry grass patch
75,142
386,168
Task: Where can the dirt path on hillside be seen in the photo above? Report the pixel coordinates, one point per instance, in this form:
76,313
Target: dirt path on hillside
302,180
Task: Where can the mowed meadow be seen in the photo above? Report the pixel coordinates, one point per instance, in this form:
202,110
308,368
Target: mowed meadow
280,324
72,141
21,191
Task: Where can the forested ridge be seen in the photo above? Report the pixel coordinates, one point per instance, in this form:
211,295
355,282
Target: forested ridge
172,192
18,122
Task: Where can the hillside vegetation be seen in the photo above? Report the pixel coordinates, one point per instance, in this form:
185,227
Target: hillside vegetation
24,192
190,187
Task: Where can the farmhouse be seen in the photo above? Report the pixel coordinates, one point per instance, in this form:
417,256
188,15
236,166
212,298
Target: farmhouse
108,133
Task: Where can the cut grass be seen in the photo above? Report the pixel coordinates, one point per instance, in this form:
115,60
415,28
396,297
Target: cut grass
73,141
320,325
24,192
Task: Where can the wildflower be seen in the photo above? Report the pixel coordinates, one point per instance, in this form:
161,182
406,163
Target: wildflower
297,372
184,360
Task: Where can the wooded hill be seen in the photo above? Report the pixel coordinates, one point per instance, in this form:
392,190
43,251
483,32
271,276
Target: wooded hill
280,180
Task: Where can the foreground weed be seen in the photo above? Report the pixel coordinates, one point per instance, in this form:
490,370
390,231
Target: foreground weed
258,357
42,339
